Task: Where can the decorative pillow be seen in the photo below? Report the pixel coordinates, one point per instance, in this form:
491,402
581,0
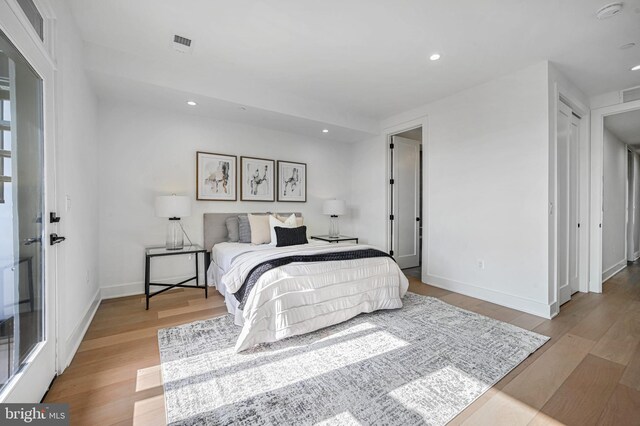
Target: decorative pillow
259,228
299,220
244,229
291,236
233,229
289,222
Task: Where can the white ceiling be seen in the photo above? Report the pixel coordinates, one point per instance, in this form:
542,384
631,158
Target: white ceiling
625,126
353,63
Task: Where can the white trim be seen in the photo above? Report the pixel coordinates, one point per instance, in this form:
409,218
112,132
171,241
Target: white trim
137,287
597,173
75,338
122,290
504,299
619,266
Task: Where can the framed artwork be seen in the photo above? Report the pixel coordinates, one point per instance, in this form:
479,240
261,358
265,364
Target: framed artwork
257,177
292,181
216,176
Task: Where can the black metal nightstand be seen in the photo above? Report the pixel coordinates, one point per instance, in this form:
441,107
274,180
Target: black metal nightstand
162,251
340,239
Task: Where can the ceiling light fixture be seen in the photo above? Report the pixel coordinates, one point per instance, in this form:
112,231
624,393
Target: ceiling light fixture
191,103
242,108
609,10
434,57
325,130
627,46
636,68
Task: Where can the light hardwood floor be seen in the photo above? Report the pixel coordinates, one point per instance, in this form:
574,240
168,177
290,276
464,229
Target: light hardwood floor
588,373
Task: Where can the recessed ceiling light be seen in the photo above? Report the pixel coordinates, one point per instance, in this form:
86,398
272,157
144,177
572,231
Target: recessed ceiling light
636,68
609,10
191,103
434,57
627,46
325,130
242,108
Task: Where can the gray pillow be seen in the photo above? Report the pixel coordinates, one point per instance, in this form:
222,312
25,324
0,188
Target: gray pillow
244,229
233,229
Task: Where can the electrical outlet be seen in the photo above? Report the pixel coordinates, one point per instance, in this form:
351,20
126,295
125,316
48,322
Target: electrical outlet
480,264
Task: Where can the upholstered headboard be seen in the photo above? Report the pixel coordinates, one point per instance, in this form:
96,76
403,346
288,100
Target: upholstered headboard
215,228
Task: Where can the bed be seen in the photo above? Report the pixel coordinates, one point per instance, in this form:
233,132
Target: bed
277,292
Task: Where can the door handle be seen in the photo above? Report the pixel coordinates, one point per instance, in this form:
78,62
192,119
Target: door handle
55,239
29,241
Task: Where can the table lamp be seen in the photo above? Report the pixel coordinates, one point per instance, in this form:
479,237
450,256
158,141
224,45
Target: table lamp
334,208
174,207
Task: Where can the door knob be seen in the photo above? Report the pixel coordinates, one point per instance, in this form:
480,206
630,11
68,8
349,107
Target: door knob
29,241
55,239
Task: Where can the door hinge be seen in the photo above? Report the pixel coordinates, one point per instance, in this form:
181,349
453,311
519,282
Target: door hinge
391,217
392,181
578,225
391,252
391,145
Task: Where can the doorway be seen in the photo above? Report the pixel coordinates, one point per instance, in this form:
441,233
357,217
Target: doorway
568,202
620,221
406,200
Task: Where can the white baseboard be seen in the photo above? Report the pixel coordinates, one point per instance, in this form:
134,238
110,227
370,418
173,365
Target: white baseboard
122,290
610,272
75,338
508,300
135,288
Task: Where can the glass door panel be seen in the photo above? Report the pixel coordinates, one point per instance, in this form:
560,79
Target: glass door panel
21,211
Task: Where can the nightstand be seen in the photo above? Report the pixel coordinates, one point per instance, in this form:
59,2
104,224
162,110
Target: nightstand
339,239
151,252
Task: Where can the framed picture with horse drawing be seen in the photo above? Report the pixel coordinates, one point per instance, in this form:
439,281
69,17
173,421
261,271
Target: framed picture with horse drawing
216,176
292,181
257,177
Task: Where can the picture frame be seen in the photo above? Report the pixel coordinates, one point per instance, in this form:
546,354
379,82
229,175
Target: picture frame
292,181
257,179
216,177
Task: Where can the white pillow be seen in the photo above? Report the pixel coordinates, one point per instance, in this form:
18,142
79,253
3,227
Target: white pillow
259,228
290,222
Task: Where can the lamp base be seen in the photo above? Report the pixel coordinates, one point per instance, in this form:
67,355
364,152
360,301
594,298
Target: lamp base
334,227
175,240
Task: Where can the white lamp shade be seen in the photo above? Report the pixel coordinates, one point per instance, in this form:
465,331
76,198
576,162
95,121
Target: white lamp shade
334,207
173,206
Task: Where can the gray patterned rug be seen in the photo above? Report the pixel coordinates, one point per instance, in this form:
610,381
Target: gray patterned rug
422,364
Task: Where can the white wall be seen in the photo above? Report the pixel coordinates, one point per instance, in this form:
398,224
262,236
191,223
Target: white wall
77,163
145,151
486,182
614,205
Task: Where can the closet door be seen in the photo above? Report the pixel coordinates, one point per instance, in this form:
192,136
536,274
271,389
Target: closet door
568,226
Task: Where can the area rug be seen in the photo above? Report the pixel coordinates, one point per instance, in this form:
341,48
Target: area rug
422,364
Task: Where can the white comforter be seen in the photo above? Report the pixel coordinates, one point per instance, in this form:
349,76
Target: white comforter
302,297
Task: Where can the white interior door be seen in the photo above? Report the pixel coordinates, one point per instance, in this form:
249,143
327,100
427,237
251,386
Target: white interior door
406,202
568,223
27,271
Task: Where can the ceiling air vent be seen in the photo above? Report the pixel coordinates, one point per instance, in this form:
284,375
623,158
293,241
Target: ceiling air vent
182,44
631,95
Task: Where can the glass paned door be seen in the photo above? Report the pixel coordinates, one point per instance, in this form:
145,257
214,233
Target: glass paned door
21,211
